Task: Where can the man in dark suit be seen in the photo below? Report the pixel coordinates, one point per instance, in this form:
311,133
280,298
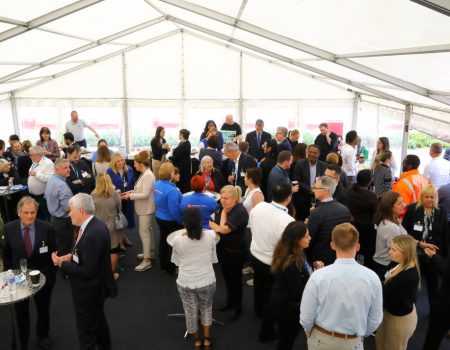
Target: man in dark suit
305,172
90,273
256,140
281,137
32,239
323,220
280,174
81,179
238,163
334,171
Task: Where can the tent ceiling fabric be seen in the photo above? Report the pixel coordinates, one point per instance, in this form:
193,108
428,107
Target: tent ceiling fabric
317,37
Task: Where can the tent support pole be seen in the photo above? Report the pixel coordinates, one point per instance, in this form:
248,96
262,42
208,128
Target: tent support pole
241,101
12,99
125,116
408,115
355,111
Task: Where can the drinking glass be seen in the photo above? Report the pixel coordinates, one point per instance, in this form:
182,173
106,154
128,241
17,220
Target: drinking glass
23,266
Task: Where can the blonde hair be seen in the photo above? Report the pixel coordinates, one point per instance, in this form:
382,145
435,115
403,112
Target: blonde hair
332,158
3,163
113,166
103,186
234,191
430,190
408,247
345,236
165,171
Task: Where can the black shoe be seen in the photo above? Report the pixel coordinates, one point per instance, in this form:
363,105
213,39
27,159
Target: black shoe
45,343
234,316
225,307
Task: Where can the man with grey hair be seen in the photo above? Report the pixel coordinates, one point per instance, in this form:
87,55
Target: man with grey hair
40,172
323,219
90,273
238,163
256,140
281,137
57,193
438,169
34,240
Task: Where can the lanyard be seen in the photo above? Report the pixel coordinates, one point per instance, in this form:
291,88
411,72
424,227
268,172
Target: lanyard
428,227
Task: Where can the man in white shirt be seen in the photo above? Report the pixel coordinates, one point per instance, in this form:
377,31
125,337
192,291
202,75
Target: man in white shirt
438,169
342,302
39,173
265,235
348,154
76,127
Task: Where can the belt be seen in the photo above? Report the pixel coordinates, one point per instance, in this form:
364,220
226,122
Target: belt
335,334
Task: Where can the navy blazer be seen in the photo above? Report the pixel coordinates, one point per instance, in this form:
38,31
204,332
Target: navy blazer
92,277
87,183
254,150
14,249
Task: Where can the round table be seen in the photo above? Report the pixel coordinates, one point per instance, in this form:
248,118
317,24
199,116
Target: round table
7,191
24,291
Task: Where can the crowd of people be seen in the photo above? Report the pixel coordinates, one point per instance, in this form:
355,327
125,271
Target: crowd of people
337,247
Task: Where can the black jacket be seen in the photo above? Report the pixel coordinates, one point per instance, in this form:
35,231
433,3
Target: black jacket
439,225
266,166
321,223
254,150
181,158
91,278
302,199
14,249
76,173
245,162
324,147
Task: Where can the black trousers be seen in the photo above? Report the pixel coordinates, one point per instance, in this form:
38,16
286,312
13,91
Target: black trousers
64,234
92,327
439,325
429,272
165,250
287,318
42,213
263,281
231,263
42,302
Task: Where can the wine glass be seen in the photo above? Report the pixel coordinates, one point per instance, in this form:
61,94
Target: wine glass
23,266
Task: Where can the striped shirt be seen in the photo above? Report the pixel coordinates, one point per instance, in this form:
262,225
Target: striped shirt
382,179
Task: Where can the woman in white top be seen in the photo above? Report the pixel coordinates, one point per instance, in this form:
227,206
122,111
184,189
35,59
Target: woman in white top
194,251
383,146
253,194
101,165
389,227
144,205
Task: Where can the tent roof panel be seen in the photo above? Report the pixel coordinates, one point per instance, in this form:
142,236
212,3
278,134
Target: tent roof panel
229,7
352,25
4,88
26,10
147,33
92,54
47,71
6,69
104,18
4,26
406,67
36,46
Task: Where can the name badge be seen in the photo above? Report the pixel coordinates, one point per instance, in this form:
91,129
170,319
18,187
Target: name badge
84,174
75,258
242,174
43,250
418,227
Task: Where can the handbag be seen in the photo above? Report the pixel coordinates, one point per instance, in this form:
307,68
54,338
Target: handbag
121,221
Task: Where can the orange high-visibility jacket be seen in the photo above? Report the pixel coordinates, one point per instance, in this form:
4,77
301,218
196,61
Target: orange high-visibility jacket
409,186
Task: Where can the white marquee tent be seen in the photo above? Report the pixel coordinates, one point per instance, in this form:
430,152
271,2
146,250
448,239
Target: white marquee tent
380,66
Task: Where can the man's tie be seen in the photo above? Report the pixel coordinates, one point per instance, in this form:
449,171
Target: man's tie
27,241
80,233
258,140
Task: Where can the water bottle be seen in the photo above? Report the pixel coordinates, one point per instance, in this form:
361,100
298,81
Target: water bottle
11,279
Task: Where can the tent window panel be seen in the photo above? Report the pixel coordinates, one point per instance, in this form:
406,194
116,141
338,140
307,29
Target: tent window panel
273,117
7,120
144,121
33,118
